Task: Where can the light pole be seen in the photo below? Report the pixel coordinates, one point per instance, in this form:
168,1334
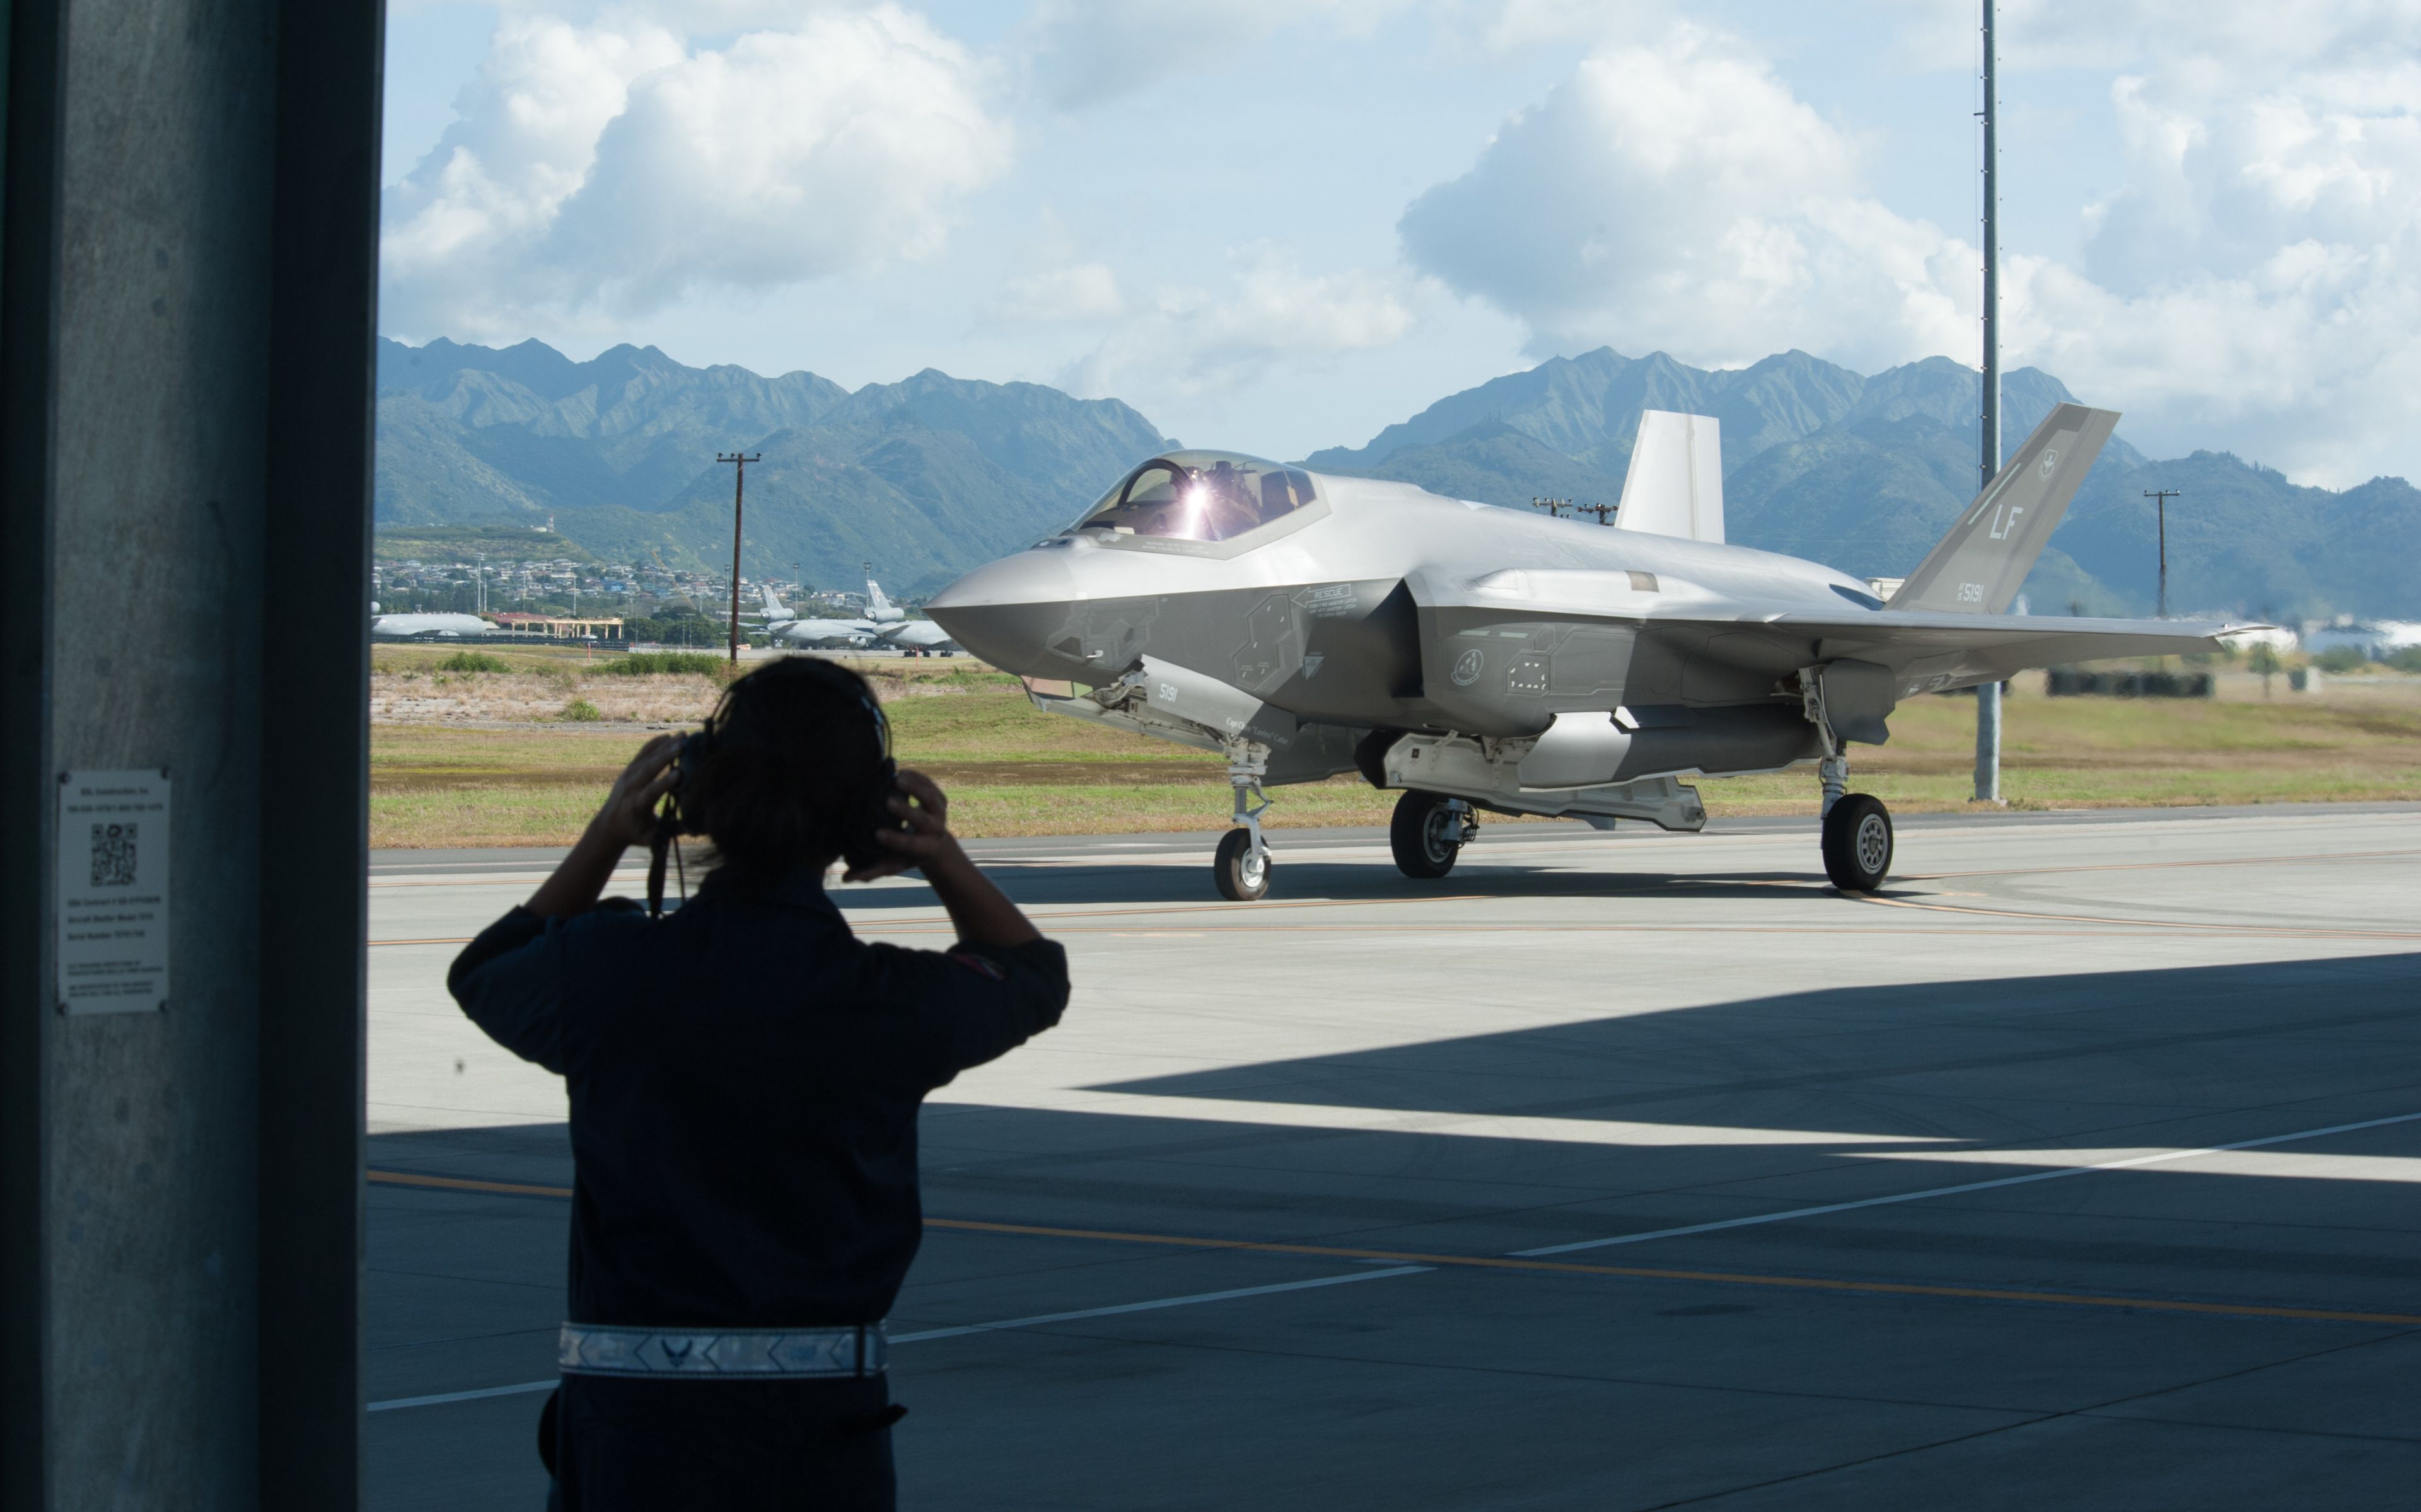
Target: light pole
2160,498
1988,694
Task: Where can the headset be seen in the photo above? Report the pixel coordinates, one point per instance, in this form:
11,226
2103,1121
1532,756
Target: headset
673,818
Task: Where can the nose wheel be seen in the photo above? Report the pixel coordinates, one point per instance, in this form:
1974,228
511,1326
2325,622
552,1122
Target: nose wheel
1241,867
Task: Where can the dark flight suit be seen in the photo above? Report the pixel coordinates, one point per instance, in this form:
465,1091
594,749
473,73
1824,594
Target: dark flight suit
744,1078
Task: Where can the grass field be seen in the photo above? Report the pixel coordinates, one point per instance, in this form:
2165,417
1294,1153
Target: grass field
489,759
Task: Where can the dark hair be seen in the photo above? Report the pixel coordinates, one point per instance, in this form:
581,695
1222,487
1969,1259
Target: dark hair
793,765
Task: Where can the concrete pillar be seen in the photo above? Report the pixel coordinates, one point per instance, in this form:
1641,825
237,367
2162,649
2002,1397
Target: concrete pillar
185,320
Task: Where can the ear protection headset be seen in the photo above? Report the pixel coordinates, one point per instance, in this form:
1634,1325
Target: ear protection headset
869,809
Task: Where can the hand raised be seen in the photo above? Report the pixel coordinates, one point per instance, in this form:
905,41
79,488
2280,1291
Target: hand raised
926,842
628,815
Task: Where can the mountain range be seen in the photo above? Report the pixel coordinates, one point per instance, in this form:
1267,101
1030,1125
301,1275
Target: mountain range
932,474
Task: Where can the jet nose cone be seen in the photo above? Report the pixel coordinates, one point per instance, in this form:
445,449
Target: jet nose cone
1006,612
1040,576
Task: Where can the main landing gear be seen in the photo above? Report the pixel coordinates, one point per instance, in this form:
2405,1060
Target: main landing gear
1428,831
1857,830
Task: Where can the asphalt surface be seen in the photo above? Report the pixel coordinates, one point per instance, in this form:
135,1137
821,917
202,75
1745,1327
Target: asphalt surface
1614,1171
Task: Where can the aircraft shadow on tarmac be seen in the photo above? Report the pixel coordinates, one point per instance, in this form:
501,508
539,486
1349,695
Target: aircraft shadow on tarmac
1043,885
1833,1076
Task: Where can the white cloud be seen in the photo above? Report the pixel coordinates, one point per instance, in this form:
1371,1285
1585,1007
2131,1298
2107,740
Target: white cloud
1088,52
1076,293
2251,285
1270,320
605,170
1676,194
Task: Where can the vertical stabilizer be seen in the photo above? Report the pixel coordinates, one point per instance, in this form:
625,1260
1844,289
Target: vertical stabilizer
774,613
1976,568
1675,486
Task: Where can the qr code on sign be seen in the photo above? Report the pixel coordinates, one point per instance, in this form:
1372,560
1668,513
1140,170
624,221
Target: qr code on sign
113,855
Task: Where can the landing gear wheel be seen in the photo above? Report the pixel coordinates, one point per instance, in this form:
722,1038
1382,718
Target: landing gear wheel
1427,833
1857,843
1242,873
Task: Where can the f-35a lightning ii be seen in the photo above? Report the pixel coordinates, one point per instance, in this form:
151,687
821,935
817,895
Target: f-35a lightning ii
1302,625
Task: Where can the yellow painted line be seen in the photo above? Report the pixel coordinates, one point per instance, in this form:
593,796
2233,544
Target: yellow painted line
1491,1262
458,1183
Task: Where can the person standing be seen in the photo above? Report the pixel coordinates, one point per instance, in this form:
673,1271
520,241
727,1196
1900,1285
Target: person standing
744,1078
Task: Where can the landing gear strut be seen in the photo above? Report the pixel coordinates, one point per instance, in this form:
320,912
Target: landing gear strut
1857,829
1241,867
1428,831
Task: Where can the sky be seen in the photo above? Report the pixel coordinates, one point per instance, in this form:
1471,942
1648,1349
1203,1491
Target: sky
1274,225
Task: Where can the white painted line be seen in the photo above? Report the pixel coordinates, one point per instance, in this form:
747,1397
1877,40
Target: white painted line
394,1403
1165,1301
2159,1158
1036,1321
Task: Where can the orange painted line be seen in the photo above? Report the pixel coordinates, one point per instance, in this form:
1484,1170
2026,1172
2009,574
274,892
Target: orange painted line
1491,1262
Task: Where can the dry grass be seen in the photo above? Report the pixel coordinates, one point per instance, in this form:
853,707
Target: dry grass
460,768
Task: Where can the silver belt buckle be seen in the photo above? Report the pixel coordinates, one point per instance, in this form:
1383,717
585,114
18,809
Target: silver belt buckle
750,1353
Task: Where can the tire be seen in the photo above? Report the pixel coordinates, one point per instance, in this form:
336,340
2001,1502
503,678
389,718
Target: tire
1242,876
1426,836
1858,843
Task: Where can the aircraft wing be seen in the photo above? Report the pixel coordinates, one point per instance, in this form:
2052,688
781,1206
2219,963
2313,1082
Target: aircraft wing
1932,650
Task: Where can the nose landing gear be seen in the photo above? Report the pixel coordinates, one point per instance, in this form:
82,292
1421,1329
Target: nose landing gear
1241,867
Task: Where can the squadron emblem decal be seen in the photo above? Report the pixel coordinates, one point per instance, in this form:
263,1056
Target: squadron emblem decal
2051,460
1468,666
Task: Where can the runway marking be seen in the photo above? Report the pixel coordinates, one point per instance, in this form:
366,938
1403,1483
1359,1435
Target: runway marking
2130,1162
2160,865
438,1400
2265,930
1534,1261
1156,1305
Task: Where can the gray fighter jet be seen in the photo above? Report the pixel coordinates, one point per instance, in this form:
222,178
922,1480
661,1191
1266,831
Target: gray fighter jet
1478,659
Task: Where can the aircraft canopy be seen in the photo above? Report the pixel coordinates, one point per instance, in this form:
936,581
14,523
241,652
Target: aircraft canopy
1200,495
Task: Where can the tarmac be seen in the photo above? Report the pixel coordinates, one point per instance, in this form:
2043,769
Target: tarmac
2074,1169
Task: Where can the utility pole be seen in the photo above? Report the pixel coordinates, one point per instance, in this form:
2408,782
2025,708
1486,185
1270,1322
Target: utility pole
2160,498
1555,507
739,482
1988,694
1604,512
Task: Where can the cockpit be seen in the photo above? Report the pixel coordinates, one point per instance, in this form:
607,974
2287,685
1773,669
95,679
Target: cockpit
1200,496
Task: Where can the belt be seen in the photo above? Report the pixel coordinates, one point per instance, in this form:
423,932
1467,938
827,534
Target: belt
753,1354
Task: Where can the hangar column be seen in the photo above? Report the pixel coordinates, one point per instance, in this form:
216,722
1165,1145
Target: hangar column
186,318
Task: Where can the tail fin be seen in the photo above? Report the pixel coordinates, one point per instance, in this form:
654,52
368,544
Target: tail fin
1976,570
773,610
874,598
1675,486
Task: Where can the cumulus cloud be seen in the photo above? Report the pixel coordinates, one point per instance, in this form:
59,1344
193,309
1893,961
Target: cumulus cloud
1674,194
2250,285
609,169
1088,52
1269,317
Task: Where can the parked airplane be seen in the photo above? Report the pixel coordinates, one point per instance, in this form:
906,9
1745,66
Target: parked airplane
884,625
436,626
1302,625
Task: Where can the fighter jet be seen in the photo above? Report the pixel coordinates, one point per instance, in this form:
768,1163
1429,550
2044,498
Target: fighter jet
1479,660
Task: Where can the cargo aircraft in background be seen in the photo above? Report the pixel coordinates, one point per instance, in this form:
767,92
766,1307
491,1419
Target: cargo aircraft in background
1476,658
884,625
428,627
